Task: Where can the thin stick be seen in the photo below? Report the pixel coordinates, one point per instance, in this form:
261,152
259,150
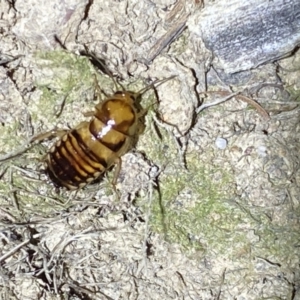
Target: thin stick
206,105
23,148
14,250
228,96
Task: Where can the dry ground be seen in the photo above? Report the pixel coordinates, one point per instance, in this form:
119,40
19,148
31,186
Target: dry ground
209,199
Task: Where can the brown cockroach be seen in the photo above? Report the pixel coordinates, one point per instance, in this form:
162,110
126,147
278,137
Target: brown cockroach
80,155
85,152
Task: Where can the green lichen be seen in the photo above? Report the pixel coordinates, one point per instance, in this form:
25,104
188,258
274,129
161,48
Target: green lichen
9,138
198,208
191,207
64,78
294,93
277,242
179,46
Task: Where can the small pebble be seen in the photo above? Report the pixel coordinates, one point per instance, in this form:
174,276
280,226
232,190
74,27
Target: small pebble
261,151
221,143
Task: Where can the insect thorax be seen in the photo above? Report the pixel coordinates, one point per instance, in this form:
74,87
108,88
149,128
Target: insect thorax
120,115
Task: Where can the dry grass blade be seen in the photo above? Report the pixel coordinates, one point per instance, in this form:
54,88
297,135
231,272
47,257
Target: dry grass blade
228,96
14,250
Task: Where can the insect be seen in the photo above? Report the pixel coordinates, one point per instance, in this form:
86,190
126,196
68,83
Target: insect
82,154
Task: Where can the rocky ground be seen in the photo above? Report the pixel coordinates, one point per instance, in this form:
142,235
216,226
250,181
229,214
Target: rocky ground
208,201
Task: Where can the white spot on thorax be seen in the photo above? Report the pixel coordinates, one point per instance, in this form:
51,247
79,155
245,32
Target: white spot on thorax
106,128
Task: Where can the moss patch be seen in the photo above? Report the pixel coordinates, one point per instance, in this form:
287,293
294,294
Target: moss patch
66,78
199,209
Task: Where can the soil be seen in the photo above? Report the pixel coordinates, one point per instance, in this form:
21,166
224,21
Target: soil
207,204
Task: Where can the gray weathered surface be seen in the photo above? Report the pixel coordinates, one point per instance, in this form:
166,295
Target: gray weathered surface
245,34
225,227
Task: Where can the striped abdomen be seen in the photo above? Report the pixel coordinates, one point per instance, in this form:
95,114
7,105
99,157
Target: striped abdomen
85,152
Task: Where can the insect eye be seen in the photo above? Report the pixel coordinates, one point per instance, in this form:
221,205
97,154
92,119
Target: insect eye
119,93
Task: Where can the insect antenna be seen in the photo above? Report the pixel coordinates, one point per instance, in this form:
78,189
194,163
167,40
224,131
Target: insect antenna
60,43
156,83
101,65
97,62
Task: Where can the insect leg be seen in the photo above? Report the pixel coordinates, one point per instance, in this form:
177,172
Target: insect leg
98,90
31,141
49,135
141,128
89,113
118,163
144,111
98,93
